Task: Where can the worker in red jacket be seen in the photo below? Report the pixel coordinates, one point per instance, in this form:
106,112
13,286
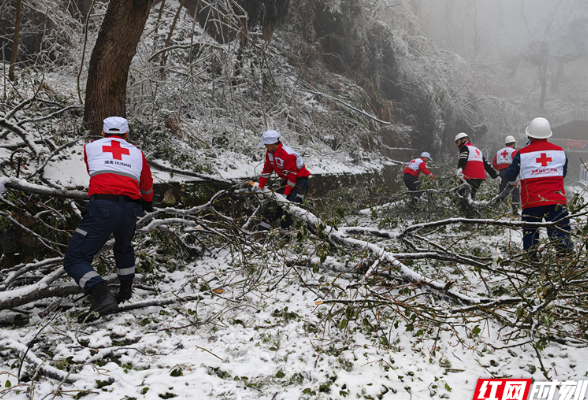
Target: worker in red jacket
501,162
541,167
289,166
121,187
471,167
411,175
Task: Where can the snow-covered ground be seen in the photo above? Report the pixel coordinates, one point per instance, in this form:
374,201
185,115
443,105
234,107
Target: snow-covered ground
259,332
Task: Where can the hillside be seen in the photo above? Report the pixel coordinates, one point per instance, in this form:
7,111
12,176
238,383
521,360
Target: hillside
363,297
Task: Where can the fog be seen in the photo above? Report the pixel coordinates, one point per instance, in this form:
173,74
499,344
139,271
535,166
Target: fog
536,49
533,54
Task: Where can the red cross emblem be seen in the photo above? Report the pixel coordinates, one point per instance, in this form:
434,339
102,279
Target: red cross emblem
544,160
504,153
116,150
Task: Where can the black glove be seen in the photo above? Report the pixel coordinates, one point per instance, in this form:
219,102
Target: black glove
147,206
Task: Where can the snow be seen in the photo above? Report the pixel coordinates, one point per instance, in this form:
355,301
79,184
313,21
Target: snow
268,338
245,350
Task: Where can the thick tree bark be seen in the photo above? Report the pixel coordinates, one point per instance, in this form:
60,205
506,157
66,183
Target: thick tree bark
111,58
14,51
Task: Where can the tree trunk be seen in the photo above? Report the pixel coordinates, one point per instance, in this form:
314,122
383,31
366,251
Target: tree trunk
119,35
543,79
169,36
14,51
558,77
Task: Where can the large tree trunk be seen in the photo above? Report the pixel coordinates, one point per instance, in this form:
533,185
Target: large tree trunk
543,80
14,51
119,35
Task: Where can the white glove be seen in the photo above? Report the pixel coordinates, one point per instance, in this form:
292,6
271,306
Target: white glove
514,183
263,189
498,180
459,173
2,182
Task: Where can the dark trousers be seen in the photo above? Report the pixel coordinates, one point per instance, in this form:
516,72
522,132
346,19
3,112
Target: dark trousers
100,219
515,194
553,212
272,212
466,209
412,184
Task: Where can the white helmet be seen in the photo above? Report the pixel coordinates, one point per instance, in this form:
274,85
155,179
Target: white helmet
460,136
509,139
539,128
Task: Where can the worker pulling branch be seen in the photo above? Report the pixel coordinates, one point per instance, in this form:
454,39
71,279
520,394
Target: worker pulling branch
411,175
289,166
121,188
501,162
471,167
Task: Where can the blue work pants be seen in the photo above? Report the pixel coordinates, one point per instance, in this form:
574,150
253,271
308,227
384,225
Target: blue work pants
560,237
272,212
100,219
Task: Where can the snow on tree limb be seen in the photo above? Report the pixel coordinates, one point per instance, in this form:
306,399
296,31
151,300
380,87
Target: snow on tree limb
23,185
340,238
202,177
36,291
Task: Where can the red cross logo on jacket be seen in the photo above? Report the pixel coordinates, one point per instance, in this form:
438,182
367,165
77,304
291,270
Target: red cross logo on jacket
116,150
544,160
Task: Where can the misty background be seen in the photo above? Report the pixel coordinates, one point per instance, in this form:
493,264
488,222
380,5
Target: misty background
532,53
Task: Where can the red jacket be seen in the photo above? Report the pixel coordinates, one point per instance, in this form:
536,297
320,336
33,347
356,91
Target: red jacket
416,166
119,168
541,167
287,164
474,169
503,158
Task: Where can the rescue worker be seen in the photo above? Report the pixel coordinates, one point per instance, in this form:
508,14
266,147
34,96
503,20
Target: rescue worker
289,166
471,167
541,167
501,162
121,187
411,175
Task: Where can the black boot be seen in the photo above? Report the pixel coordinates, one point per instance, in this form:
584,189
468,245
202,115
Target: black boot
104,303
125,292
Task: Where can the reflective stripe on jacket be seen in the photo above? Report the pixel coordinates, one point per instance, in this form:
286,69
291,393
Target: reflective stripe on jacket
287,164
542,167
117,167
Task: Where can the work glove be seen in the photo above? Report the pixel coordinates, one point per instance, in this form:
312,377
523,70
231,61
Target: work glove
498,180
459,173
250,183
514,183
432,177
147,206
